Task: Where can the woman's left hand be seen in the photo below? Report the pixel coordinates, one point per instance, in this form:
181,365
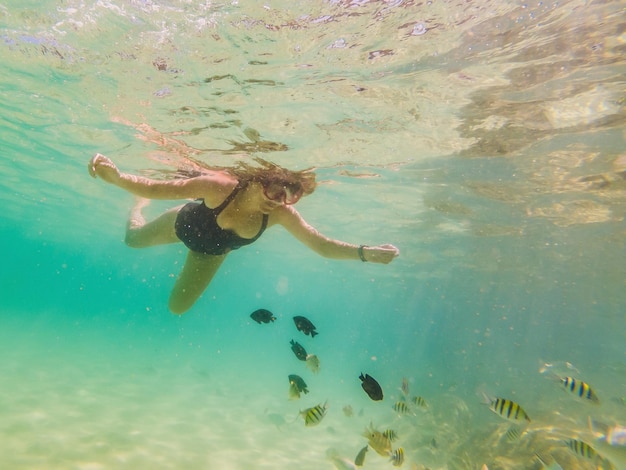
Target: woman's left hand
380,254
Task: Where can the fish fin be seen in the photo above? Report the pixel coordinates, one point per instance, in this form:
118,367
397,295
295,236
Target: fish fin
597,427
486,399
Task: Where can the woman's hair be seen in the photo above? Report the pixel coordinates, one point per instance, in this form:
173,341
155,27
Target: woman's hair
263,172
267,172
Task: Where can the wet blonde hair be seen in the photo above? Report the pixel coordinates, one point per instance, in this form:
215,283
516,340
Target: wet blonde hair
266,173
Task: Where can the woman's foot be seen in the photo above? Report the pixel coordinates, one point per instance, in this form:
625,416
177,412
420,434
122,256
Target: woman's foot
136,219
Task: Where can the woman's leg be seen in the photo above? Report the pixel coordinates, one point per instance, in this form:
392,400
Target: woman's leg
160,231
196,275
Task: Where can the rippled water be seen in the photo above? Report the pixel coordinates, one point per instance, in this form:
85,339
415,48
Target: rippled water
484,139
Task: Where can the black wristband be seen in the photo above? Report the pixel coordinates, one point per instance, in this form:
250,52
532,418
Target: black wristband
360,251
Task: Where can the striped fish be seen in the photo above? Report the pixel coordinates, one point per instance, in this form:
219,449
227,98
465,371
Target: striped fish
397,457
580,388
390,434
419,401
513,433
508,409
581,448
402,408
377,441
313,416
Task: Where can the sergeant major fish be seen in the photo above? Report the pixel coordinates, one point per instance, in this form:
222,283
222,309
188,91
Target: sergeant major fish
397,457
378,441
580,388
402,408
313,416
508,409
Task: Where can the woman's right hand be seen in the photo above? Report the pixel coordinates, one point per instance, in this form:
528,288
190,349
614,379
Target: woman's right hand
103,167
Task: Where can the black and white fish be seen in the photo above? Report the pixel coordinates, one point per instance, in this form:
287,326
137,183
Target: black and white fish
262,316
305,326
298,350
296,386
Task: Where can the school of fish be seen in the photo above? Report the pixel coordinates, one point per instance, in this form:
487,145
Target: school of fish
603,447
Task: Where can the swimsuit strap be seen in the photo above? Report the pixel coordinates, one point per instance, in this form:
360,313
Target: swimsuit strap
229,198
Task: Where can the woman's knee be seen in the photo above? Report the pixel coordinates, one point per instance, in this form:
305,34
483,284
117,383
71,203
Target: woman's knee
132,239
179,306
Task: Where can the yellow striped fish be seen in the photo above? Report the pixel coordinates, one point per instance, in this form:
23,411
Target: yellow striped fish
377,441
508,409
390,434
313,416
513,433
419,401
397,457
402,408
581,448
580,388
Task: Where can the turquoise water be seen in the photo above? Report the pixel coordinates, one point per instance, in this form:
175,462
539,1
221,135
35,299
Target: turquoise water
484,139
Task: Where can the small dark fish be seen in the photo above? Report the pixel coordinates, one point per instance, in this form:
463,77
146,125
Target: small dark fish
298,350
305,326
371,387
262,316
297,382
360,457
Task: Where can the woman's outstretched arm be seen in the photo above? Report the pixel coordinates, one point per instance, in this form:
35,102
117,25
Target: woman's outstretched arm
289,218
212,188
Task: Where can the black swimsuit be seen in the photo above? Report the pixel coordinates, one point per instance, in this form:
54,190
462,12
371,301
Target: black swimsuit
196,226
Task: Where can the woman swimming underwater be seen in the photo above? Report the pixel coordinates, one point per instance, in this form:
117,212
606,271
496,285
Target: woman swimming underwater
232,208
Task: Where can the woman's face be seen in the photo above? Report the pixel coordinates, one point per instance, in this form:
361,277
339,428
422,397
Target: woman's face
283,192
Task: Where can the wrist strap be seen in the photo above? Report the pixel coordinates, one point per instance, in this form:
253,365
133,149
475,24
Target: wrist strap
360,251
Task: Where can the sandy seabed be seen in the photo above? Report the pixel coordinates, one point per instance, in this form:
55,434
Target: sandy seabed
88,406
92,402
